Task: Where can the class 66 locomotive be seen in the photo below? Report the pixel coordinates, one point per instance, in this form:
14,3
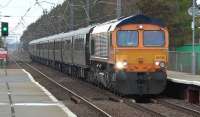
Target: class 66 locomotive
127,55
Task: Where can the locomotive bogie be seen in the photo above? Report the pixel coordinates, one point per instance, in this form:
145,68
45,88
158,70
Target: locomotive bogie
143,83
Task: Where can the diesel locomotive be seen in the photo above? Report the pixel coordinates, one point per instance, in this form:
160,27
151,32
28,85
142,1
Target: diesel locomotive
128,55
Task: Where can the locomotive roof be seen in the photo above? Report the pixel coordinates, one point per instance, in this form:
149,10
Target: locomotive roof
136,19
60,36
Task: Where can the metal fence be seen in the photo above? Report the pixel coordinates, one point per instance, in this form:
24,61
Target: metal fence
182,62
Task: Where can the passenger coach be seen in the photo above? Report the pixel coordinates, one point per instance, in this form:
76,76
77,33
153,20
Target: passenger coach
128,55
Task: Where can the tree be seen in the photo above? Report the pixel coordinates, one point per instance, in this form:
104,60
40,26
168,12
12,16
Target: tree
172,12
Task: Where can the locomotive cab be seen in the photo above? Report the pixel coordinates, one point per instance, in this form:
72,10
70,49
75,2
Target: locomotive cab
140,48
140,56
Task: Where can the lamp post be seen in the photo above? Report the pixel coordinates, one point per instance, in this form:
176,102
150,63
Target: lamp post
193,39
195,2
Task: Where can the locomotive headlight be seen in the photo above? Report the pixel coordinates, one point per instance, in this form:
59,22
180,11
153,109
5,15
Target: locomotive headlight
157,63
160,63
121,65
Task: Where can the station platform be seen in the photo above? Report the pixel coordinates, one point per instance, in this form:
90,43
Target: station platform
22,96
184,85
183,78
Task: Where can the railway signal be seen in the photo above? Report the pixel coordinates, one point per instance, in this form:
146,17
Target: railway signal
4,29
193,36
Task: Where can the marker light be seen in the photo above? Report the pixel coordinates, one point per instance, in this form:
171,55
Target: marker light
141,26
162,64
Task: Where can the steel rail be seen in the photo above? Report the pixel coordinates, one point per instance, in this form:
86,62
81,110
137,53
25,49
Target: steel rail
142,108
178,107
71,92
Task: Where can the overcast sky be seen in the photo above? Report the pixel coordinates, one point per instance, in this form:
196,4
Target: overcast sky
198,2
17,8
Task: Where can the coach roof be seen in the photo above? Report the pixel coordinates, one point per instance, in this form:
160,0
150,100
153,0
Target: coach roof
60,36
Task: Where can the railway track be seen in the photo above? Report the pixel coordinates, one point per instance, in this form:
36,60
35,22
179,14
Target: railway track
137,106
160,103
142,108
101,112
127,102
110,98
196,106
187,110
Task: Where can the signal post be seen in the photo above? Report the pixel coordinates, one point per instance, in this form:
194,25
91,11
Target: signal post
4,53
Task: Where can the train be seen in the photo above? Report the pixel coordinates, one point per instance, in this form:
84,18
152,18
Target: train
127,55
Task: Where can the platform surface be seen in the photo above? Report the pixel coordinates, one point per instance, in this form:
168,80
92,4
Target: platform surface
22,96
184,78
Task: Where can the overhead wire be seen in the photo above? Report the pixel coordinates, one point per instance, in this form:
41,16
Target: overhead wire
3,6
12,16
27,11
96,19
21,19
48,3
38,3
64,13
82,5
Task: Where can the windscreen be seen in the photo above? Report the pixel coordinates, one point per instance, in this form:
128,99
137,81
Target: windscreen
127,38
154,38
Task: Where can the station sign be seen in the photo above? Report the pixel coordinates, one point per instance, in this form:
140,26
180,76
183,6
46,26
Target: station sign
196,11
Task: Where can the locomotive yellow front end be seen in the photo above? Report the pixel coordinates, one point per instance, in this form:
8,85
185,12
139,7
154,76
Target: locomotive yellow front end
140,55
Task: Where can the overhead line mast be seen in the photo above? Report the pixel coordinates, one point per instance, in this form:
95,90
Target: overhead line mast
119,8
88,11
71,7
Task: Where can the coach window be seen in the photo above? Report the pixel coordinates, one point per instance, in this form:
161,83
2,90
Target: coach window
127,38
67,43
109,37
60,44
77,40
55,46
51,45
92,43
